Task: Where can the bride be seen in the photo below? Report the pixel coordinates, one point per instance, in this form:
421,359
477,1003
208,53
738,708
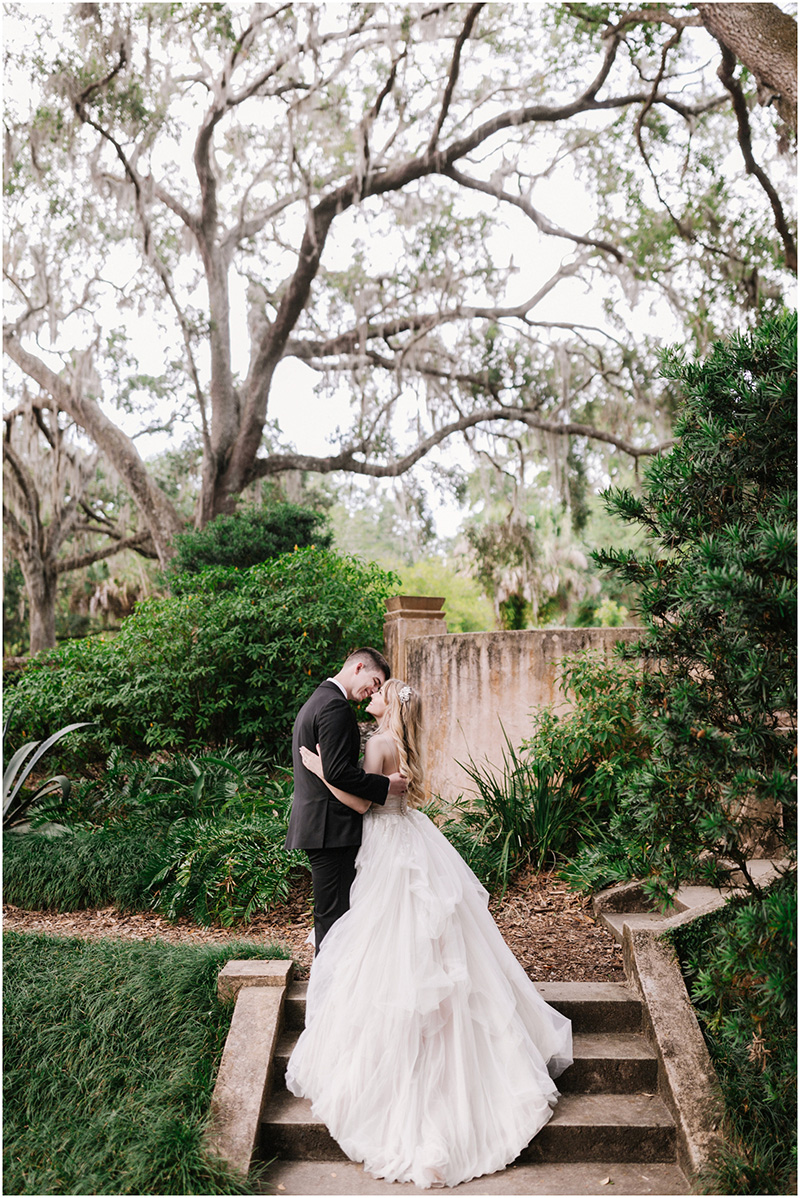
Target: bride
427,1052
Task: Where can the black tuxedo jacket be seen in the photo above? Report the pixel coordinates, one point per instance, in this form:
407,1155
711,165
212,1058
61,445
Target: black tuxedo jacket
318,820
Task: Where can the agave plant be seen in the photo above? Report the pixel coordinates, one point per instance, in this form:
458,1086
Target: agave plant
18,804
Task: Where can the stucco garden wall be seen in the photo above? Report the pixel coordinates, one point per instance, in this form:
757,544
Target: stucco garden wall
472,681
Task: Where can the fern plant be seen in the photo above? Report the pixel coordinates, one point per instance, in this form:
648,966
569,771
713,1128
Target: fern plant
223,870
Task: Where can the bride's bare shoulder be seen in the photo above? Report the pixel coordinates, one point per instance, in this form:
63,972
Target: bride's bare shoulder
381,755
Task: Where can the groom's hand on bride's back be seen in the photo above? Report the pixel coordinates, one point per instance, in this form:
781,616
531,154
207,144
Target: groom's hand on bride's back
398,785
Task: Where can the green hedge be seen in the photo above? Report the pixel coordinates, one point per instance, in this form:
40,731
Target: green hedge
232,660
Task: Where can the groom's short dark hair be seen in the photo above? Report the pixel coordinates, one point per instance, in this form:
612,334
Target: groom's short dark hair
377,660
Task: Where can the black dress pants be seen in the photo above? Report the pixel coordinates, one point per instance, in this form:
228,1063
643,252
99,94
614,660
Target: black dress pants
333,872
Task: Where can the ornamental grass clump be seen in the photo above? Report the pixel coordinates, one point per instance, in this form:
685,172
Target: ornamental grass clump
80,869
111,1049
510,819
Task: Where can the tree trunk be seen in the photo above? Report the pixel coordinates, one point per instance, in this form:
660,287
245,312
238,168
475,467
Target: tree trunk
764,39
40,582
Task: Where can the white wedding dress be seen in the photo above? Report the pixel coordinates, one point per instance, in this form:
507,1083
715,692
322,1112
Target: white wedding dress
427,1052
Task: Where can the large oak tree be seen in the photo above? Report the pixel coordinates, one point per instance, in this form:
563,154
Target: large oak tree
321,182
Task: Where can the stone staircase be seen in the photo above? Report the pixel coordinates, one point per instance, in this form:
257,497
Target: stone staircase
610,1132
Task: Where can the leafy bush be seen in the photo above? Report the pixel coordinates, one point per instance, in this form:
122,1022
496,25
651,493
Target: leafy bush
250,536
586,752
740,966
111,1049
188,836
162,788
719,598
226,870
234,660
585,758
557,796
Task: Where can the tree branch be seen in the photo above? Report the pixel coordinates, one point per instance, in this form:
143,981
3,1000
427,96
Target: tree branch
725,73
658,14
160,268
156,508
139,542
540,221
346,460
455,64
348,342
27,487
16,533
254,224
169,201
764,39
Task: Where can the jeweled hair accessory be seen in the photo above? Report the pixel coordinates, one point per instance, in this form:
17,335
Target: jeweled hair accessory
404,694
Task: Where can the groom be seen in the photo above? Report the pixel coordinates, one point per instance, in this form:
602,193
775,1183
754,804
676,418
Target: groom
329,832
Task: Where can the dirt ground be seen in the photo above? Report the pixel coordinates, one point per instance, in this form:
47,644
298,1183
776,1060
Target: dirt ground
550,929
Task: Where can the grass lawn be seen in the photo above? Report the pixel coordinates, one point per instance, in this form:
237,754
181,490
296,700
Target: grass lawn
111,1051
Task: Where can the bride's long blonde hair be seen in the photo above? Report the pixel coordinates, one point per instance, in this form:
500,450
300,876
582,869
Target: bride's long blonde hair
403,719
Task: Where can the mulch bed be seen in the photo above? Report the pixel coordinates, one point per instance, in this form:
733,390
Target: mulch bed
550,929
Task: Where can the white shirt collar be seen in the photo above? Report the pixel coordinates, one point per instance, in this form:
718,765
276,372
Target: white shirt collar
335,683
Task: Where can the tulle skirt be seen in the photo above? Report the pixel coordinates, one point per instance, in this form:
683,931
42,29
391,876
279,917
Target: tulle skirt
427,1052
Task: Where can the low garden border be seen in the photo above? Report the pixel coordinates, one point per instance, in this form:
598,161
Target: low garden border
244,1078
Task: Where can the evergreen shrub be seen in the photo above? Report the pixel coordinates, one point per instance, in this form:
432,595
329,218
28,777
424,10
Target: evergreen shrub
246,538
719,601
740,965
234,659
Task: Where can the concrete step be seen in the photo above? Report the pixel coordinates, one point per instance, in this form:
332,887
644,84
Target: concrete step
615,921
584,1128
346,1177
611,1063
592,1006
